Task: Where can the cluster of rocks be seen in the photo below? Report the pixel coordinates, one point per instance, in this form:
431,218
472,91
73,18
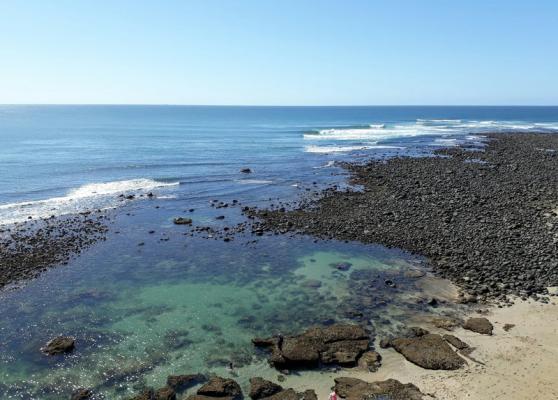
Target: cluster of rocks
31,247
433,351
487,220
336,344
356,389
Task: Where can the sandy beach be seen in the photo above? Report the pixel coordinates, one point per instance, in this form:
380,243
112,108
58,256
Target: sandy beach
514,365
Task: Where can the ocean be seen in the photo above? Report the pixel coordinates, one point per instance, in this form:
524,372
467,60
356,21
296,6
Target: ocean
151,300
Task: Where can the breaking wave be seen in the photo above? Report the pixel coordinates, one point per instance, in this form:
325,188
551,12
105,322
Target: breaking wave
87,197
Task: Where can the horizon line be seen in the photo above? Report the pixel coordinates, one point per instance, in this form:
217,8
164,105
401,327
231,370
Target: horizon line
273,105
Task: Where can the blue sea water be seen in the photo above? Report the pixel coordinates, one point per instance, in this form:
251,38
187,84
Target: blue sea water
182,304
74,155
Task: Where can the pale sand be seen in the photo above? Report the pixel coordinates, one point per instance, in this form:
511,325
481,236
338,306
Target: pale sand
519,364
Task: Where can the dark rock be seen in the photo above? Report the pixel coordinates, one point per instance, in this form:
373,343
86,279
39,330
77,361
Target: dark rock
479,325
245,170
334,344
288,394
370,361
260,388
165,393
59,345
182,221
456,342
343,266
82,394
221,387
356,389
449,324
508,327
182,382
309,395
146,394
429,351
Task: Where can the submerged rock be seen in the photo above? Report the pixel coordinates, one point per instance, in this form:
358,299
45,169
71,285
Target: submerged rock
182,382
479,325
82,394
429,351
356,389
146,394
335,344
165,393
260,388
59,345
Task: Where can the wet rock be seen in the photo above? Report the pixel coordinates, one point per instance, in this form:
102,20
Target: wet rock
309,395
428,351
180,383
334,344
260,388
447,323
343,266
288,394
245,170
165,393
456,342
59,345
479,325
82,394
415,331
356,389
221,387
370,361
146,394
182,221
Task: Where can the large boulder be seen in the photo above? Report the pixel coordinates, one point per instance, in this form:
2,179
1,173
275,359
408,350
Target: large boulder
260,388
479,325
335,344
221,387
428,351
59,345
356,389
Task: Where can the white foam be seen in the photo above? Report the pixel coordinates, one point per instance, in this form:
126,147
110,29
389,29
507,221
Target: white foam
87,197
253,182
345,149
423,127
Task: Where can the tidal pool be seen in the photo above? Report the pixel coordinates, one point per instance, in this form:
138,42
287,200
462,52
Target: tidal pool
143,306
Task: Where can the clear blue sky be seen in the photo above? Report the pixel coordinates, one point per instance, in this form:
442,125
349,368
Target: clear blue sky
279,52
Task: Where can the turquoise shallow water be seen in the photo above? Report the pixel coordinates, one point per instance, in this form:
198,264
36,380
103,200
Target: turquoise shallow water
187,305
180,304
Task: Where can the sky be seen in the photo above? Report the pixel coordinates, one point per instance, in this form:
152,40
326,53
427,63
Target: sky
283,52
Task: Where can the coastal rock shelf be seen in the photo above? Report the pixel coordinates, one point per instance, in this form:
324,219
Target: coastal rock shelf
486,218
29,248
336,344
